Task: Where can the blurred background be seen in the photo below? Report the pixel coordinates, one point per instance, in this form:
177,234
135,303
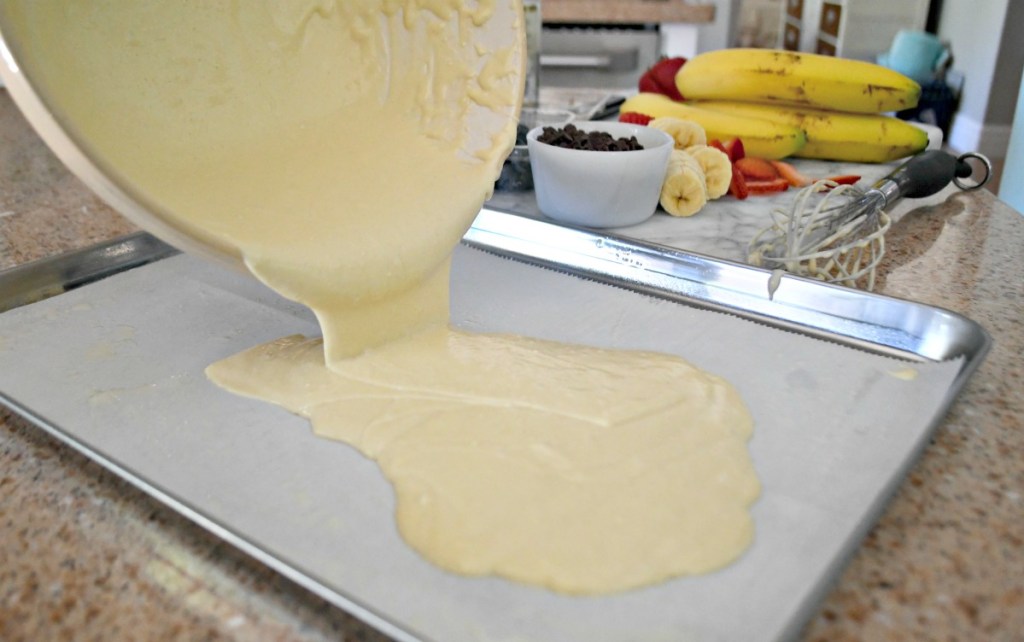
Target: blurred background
967,54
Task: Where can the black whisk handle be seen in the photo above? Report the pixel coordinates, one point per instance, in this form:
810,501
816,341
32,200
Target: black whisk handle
926,174
966,170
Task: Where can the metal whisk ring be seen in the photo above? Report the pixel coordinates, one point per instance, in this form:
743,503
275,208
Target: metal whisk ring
967,187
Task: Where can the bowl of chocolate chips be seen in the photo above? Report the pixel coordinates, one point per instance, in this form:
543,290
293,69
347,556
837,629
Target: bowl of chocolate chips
516,173
598,173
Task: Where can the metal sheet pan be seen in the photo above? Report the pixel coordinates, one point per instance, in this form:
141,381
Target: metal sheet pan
126,354
852,317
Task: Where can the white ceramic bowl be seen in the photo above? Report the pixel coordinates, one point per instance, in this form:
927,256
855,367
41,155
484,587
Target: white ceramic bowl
600,189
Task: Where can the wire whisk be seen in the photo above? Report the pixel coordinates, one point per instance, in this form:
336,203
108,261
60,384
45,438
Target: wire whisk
836,233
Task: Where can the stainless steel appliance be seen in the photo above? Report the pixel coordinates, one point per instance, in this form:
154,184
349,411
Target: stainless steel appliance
584,55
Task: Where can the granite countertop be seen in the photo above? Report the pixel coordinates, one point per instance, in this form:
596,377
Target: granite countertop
85,556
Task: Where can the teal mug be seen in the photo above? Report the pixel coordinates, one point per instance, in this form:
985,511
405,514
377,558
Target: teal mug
916,54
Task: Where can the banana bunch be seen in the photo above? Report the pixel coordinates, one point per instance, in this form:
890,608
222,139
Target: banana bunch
834,135
798,79
834,105
696,172
762,138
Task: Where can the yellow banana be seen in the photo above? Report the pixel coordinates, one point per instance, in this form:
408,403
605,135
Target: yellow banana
855,138
684,191
684,132
799,79
717,168
761,138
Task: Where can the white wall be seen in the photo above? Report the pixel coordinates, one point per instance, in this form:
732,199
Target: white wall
1009,65
718,35
688,40
1011,185
984,37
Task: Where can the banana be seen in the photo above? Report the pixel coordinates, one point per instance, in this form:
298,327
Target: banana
855,138
717,168
799,79
685,133
761,138
684,191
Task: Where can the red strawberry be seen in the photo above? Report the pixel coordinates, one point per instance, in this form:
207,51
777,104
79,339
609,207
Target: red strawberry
664,75
791,174
635,118
717,144
738,186
757,169
734,148
845,179
768,187
648,84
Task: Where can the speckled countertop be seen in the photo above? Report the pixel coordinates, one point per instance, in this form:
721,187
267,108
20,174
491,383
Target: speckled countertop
85,556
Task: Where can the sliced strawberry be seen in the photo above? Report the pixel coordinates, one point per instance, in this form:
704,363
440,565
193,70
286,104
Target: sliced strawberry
664,74
717,144
738,186
791,174
734,148
844,179
756,169
635,118
768,187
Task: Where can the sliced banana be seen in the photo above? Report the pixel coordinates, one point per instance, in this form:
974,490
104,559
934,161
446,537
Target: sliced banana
684,191
685,133
716,166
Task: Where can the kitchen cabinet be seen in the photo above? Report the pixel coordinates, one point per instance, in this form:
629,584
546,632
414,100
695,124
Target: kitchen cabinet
859,29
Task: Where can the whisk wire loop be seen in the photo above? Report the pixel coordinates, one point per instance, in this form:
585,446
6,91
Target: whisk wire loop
840,239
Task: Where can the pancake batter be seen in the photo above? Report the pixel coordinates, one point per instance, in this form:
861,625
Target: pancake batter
584,470
330,147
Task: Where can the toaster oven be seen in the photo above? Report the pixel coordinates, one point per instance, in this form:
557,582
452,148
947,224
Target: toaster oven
602,56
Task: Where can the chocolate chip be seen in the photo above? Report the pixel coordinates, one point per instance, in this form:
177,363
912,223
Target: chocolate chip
571,137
